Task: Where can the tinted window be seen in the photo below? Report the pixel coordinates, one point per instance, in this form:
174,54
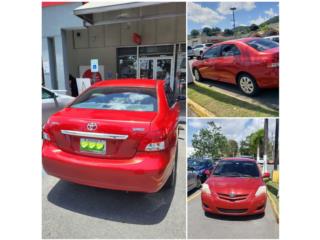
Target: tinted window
236,169
170,96
46,94
262,44
211,53
208,44
229,50
118,98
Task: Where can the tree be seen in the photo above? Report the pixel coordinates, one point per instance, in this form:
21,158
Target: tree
194,33
232,148
210,142
255,141
244,148
207,31
215,31
254,27
227,32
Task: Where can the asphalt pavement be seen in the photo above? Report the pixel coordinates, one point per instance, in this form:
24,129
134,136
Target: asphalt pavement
267,97
222,227
76,211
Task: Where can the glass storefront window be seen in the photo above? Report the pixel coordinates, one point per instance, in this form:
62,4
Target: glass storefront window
127,62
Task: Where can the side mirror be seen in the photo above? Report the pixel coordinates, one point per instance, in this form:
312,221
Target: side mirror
266,175
207,173
181,98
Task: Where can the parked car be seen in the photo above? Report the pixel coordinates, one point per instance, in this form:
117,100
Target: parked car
200,166
118,134
201,48
52,103
273,38
235,187
250,63
193,179
190,52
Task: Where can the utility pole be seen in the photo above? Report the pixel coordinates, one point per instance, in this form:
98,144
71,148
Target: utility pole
265,166
234,21
276,146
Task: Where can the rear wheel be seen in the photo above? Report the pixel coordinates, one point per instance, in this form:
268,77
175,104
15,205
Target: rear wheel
248,84
172,179
197,75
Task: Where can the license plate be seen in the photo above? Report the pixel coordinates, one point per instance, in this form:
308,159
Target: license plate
93,145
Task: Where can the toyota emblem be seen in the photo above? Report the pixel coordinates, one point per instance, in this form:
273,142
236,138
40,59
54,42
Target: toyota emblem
91,126
232,195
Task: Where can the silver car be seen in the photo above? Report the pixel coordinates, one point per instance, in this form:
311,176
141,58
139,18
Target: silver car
201,48
194,180
53,102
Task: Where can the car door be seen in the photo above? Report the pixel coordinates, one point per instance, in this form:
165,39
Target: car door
208,68
49,104
227,64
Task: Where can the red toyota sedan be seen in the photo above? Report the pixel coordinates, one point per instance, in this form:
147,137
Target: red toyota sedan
250,63
235,187
118,134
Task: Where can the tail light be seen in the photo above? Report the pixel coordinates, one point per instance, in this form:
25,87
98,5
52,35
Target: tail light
45,133
273,65
274,61
154,141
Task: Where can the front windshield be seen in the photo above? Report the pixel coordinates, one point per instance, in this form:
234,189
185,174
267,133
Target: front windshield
230,168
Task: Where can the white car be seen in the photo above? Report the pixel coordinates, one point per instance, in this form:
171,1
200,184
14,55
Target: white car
200,48
274,38
52,102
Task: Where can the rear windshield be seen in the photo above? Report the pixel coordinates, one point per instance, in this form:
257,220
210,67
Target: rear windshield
236,169
118,98
262,44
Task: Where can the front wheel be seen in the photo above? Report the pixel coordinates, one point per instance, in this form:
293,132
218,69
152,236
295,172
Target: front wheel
248,85
197,75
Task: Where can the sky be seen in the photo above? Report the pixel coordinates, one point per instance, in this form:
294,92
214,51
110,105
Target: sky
234,128
218,14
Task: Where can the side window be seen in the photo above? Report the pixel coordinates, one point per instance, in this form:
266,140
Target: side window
46,94
211,53
229,50
198,46
170,96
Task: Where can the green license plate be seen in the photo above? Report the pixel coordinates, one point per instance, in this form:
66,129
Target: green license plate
93,145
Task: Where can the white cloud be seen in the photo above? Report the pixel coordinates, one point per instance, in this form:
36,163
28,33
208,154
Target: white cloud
203,15
190,151
259,20
224,7
270,13
197,123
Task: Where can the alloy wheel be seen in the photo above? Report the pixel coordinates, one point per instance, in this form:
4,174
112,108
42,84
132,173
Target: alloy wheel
246,84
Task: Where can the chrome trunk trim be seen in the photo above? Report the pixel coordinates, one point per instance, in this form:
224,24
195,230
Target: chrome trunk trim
94,135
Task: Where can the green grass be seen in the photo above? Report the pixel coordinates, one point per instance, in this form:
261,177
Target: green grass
222,105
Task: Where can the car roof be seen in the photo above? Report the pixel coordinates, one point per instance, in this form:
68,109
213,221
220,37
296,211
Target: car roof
129,82
239,159
237,40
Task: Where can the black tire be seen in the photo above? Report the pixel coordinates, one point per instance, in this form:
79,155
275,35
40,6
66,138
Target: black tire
197,75
248,84
171,182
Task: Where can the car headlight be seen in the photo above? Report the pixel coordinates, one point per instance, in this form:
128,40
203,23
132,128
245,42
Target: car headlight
205,188
261,190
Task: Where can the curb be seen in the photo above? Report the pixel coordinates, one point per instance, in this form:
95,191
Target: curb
199,110
274,207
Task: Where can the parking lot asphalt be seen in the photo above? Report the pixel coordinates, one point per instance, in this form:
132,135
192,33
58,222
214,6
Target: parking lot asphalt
222,227
75,211
268,97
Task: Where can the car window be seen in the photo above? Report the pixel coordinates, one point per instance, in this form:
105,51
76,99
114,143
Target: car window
229,168
47,94
262,44
170,96
208,44
229,50
198,46
211,53
118,98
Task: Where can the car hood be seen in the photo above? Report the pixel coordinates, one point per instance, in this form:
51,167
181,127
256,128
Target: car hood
237,185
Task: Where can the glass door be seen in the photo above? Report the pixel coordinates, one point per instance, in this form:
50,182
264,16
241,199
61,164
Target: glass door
146,69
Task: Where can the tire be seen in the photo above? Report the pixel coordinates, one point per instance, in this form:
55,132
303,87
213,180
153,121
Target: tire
171,182
197,75
248,85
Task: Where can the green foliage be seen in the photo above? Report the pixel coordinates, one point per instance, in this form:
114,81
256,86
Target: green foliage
254,27
207,31
215,31
194,33
232,148
210,142
227,32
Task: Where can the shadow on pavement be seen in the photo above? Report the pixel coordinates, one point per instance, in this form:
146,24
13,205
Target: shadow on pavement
119,206
193,191
234,218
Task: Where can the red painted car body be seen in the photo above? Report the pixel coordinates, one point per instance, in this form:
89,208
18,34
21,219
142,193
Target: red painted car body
234,195
126,163
263,66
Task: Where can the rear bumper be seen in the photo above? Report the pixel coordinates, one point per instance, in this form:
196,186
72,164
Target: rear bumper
146,172
268,78
251,206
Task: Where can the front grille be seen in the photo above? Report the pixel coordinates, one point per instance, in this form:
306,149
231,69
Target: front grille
234,198
226,210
